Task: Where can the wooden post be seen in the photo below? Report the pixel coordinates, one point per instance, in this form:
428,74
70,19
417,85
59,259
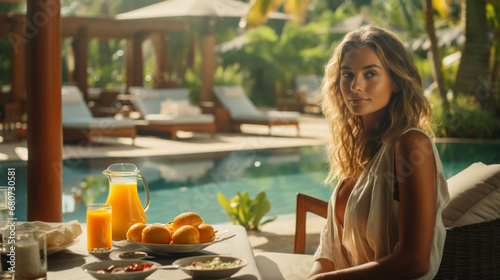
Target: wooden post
208,63
80,52
161,59
18,66
44,111
134,61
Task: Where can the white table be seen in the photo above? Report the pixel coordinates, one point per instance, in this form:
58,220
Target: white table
65,265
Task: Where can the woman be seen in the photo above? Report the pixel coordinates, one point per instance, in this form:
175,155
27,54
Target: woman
384,219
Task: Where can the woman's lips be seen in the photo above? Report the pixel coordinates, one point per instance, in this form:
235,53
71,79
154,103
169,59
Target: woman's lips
357,101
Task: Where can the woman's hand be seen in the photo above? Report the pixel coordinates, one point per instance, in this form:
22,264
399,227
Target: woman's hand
320,266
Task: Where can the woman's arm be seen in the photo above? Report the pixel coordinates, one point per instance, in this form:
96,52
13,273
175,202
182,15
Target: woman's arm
415,170
320,266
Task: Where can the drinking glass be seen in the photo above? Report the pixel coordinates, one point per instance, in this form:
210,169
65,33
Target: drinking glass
99,228
4,234
4,215
31,255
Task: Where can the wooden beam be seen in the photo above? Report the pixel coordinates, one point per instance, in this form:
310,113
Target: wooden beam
208,63
44,112
80,52
112,28
161,59
134,61
18,63
104,28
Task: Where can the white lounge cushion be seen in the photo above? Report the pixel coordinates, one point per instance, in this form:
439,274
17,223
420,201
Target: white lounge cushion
277,266
76,113
73,104
272,116
235,101
148,101
171,107
240,108
159,119
474,196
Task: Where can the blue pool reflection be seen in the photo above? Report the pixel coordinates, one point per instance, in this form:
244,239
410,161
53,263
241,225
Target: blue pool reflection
191,182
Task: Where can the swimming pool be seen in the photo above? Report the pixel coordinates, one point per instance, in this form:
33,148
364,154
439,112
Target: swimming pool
191,182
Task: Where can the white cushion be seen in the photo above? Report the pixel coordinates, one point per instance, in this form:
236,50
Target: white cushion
71,94
233,92
174,108
73,104
474,196
237,103
148,101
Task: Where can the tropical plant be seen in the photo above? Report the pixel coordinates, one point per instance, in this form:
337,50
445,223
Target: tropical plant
246,211
463,118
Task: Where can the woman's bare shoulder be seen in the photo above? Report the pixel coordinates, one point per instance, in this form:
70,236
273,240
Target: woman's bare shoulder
413,140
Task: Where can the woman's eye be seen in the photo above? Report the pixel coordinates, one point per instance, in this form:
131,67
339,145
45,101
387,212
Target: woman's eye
371,74
346,74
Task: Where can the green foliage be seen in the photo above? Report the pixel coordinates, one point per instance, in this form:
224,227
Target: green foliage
246,211
230,75
464,118
93,187
105,67
273,61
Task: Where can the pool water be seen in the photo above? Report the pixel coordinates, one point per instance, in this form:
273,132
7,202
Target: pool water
191,182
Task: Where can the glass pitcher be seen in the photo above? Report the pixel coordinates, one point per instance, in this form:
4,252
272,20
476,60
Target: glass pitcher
124,198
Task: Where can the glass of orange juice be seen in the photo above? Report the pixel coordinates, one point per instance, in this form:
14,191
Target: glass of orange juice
99,228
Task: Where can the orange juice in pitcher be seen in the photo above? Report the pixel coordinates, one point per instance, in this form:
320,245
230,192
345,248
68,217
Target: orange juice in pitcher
124,198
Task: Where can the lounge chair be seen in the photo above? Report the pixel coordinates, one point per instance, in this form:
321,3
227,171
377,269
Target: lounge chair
242,111
308,86
472,246
79,123
306,95
169,110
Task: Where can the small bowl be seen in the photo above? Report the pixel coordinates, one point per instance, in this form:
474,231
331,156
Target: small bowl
185,265
92,268
133,255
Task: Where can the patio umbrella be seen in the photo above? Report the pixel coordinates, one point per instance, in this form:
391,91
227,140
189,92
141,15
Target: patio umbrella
446,37
208,10
194,8
354,22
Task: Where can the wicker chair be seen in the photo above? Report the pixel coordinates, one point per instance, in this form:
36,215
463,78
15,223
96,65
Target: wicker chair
470,252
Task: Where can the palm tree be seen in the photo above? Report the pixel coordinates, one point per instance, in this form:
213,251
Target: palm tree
434,50
494,83
473,72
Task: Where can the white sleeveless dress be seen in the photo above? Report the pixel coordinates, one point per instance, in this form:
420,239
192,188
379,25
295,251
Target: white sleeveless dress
372,217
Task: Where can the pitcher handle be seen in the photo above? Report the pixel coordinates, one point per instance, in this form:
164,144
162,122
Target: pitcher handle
147,192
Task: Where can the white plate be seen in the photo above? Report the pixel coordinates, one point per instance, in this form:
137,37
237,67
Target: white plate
55,249
92,268
220,235
185,265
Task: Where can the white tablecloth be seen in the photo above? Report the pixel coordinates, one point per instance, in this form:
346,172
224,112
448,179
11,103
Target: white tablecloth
65,265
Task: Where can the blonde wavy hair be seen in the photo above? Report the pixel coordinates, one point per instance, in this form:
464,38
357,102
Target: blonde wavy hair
352,148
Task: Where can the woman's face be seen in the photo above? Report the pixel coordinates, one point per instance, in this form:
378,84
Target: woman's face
366,84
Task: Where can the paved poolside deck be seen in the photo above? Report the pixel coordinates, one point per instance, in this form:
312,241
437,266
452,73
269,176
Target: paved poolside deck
313,131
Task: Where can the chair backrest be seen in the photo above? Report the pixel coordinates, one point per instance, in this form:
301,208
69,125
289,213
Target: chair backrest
148,101
310,84
234,99
73,104
306,203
